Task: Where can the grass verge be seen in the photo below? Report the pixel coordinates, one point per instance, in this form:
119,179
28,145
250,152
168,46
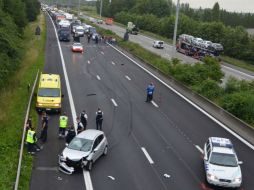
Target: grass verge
238,63
13,104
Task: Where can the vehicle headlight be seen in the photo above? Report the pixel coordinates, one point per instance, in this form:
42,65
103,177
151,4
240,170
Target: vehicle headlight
237,180
212,177
57,105
39,104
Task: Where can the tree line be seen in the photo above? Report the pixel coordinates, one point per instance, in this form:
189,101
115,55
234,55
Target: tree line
156,16
14,16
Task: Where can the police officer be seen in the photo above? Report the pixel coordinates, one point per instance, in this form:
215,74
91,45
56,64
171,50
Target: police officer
31,141
99,119
70,134
80,126
63,121
83,119
149,92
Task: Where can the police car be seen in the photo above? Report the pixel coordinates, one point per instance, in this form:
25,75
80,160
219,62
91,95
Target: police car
221,163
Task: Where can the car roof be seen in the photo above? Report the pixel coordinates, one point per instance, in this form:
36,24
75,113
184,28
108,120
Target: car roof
90,134
49,81
221,145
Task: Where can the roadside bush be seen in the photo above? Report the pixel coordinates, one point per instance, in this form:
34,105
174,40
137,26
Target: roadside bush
241,104
209,88
234,85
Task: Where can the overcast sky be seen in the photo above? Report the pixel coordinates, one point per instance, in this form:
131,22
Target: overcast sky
230,5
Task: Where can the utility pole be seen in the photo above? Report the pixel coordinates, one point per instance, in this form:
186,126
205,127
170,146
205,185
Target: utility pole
100,9
176,23
78,7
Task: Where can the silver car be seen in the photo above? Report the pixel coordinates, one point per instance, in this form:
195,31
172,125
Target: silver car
83,151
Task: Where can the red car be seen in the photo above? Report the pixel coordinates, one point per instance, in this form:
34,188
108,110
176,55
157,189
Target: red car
77,47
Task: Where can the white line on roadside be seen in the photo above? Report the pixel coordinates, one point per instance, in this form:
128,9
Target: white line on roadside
199,149
102,52
88,181
114,102
98,77
86,174
128,78
113,63
154,104
187,100
88,62
242,73
147,155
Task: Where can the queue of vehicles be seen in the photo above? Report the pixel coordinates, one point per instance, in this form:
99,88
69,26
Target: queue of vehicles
221,164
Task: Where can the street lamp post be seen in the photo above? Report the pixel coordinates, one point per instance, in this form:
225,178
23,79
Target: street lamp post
78,7
176,23
100,9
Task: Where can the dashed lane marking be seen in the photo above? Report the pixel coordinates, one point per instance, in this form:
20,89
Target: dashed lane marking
98,77
113,63
88,62
114,102
156,105
147,155
199,149
128,78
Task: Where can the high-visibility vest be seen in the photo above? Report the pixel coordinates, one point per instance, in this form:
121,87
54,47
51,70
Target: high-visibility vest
30,136
63,121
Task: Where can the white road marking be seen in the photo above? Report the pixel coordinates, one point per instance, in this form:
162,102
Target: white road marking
127,77
86,174
154,104
113,63
189,101
111,177
114,102
88,181
199,149
102,52
242,73
147,155
88,62
98,77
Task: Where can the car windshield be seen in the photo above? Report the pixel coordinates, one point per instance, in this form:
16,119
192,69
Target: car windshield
92,30
77,45
64,32
80,144
223,159
49,92
160,43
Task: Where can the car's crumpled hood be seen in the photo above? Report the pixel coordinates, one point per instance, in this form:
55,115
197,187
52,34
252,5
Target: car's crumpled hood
74,155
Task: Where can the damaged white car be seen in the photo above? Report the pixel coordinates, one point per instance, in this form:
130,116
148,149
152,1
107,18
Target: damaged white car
83,151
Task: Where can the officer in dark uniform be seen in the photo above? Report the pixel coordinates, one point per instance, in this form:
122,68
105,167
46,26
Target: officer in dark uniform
99,119
83,119
80,126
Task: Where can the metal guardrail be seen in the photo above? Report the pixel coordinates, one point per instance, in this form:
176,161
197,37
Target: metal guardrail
23,135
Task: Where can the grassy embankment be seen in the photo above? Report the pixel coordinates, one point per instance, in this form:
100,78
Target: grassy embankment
13,104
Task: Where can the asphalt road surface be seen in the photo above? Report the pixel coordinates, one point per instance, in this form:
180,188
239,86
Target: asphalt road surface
152,146
168,53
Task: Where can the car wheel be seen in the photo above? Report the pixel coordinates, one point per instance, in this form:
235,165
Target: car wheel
89,165
105,152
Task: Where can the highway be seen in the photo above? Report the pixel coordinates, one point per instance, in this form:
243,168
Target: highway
168,52
151,146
